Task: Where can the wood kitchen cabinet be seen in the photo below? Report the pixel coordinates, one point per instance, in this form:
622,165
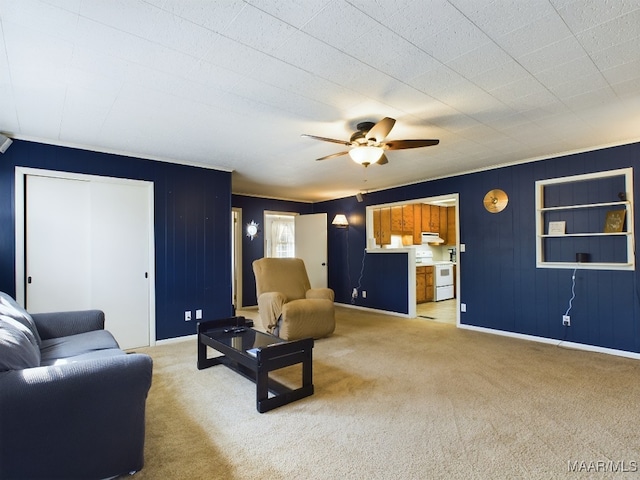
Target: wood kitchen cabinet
421,285
451,226
426,217
402,220
424,284
411,220
435,219
407,220
430,218
417,224
396,220
382,225
443,231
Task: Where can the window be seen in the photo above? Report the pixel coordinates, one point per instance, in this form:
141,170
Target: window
279,234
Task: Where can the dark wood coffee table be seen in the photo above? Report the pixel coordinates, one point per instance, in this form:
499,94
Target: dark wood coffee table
254,354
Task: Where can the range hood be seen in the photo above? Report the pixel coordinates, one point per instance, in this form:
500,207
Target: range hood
430,237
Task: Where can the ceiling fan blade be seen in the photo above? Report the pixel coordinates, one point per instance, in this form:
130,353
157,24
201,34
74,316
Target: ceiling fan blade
381,129
383,160
401,144
333,155
325,139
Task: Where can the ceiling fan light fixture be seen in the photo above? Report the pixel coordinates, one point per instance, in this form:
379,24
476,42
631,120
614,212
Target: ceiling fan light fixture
366,155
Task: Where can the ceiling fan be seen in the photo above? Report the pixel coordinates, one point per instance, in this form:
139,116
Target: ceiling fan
368,143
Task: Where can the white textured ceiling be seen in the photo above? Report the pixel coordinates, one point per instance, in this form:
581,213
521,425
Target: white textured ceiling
233,84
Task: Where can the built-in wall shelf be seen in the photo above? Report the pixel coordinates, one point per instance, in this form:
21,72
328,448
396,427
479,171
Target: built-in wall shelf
589,214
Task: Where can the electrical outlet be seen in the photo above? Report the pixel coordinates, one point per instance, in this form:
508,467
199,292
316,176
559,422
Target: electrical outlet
354,294
463,307
187,315
566,320
199,314
364,294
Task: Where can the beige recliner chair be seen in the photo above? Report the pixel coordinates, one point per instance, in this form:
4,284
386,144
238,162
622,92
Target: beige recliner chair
288,306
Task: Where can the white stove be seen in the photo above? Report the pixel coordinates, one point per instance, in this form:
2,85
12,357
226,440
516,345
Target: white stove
443,281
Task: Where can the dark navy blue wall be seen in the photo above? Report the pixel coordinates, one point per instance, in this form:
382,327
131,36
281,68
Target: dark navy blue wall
499,281
253,208
192,227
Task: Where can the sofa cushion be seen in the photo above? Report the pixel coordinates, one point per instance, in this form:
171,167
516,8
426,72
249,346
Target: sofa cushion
17,350
83,357
10,308
64,347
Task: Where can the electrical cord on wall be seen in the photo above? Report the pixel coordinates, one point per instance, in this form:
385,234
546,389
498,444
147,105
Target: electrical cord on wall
348,265
573,291
364,255
573,296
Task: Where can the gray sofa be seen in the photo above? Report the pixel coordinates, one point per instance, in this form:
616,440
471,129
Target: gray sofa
72,404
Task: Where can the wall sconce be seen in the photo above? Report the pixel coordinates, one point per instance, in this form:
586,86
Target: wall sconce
252,230
340,221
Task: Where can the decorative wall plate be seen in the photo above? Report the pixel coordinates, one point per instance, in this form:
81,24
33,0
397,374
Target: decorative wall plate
495,200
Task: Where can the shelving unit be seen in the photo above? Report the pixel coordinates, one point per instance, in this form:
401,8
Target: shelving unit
582,203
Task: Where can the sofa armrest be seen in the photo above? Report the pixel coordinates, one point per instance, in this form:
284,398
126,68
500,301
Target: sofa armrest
75,420
270,307
321,293
63,324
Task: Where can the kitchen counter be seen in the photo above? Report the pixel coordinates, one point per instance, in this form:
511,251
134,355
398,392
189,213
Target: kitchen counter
432,263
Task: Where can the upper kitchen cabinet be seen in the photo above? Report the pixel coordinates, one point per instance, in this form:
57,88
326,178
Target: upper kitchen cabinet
417,224
409,220
451,227
403,223
402,220
382,225
396,220
430,218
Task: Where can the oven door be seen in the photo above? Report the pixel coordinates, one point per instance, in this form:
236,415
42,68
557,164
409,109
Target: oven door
443,275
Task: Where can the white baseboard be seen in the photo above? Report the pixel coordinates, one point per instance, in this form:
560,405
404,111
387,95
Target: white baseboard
177,339
374,310
553,341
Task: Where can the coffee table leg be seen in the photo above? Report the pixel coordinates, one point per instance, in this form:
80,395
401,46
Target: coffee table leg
262,388
203,361
307,369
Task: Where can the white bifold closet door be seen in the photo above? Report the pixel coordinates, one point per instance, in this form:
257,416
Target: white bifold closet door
87,247
311,246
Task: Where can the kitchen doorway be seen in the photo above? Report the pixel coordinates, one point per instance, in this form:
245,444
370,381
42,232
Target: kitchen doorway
443,260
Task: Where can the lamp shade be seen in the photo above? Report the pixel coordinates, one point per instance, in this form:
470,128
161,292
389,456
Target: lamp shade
366,155
340,221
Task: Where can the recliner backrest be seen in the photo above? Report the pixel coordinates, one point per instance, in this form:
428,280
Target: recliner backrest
285,275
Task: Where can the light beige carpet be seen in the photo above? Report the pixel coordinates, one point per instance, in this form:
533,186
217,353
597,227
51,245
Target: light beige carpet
401,399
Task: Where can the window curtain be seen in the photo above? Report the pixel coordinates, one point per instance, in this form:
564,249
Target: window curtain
282,238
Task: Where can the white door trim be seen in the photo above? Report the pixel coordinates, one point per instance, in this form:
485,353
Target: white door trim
236,267
20,176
